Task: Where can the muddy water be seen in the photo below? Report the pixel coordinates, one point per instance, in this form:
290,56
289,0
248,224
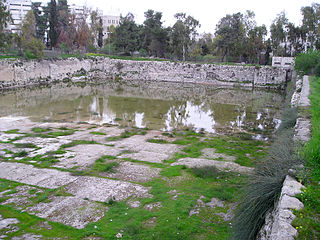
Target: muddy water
163,106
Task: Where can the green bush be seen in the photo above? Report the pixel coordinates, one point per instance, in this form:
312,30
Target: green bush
317,70
34,49
305,63
65,48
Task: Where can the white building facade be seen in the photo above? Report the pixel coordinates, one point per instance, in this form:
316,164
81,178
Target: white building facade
18,10
108,21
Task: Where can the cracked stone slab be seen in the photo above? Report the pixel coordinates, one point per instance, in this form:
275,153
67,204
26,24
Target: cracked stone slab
215,202
302,130
85,155
102,190
85,134
135,172
210,153
138,143
230,213
7,222
71,211
133,203
220,165
304,96
28,236
21,123
4,137
21,198
146,156
287,202
46,144
153,206
291,187
196,209
28,174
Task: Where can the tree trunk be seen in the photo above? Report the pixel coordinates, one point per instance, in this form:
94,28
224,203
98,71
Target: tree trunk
183,51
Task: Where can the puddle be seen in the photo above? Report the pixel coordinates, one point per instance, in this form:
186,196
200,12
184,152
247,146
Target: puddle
152,105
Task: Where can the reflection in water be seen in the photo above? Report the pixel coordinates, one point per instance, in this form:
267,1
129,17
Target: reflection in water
156,107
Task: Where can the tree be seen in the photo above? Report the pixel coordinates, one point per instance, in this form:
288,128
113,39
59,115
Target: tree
41,20
184,32
279,34
154,37
230,33
127,35
311,24
296,39
63,15
100,33
94,26
5,18
32,46
53,23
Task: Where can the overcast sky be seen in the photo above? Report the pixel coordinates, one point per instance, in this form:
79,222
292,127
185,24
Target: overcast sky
207,12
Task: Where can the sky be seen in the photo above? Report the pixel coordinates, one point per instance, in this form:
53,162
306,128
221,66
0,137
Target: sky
207,12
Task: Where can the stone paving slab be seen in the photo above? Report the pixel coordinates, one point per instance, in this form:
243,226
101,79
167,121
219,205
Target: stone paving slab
146,151
302,130
28,174
7,137
70,211
139,143
46,144
21,197
135,172
85,155
21,123
304,95
85,134
220,165
210,153
102,190
146,156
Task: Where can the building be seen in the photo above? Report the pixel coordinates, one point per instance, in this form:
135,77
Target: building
78,11
18,10
108,21
285,62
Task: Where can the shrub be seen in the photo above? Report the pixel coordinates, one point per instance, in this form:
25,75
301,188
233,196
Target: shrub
317,70
266,182
305,63
34,49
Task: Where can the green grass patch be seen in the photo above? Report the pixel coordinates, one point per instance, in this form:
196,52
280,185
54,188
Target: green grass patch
172,171
101,165
12,131
61,133
40,130
97,133
156,165
25,145
154,140
20,154
77,142
307,220
137,58
127,134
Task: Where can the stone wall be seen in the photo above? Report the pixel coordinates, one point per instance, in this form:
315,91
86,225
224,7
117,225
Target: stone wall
17,73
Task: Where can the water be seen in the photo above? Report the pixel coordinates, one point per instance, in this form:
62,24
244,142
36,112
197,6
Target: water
163,106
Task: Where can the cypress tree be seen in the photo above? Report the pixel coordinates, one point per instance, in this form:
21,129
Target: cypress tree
53,23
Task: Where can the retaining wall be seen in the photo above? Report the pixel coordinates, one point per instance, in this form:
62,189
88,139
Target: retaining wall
17,73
